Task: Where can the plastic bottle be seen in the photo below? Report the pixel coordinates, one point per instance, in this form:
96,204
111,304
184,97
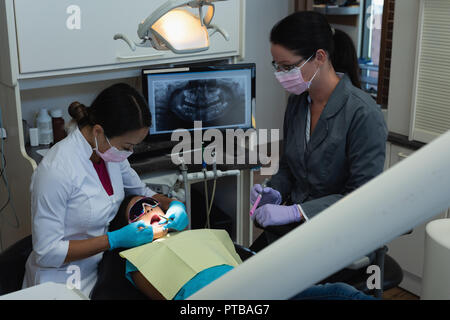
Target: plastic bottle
44,124
59,132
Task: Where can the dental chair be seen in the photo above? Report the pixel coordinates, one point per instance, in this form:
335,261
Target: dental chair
111,283
12,265
356,274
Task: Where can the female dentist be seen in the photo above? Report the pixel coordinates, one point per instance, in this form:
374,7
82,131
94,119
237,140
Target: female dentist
334,133
78,186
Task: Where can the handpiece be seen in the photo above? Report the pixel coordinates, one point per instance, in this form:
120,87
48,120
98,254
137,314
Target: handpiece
258,199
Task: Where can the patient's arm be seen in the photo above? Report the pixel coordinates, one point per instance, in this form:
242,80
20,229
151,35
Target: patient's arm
146,287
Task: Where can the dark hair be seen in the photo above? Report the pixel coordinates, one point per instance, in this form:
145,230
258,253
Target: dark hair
120,220
118,109
305,32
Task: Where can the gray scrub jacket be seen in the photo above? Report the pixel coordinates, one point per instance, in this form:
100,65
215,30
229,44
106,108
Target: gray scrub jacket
347,148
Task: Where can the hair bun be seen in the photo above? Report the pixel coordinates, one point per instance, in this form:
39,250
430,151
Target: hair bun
78,111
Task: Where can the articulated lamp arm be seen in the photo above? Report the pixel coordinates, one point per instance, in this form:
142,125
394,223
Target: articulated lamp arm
150,38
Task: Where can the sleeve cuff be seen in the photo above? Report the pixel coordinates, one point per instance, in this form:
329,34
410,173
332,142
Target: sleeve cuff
302,213
54,258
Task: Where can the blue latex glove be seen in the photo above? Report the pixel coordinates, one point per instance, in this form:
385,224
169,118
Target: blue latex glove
133,235
177,216
269,195
275,215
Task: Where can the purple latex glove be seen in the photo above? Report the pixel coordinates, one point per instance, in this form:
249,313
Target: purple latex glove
275,215
269,195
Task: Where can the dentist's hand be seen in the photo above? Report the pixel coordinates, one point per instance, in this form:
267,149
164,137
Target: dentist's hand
269,195
132,235
177,216
274,215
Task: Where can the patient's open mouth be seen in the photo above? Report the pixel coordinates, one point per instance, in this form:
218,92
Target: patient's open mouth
155,219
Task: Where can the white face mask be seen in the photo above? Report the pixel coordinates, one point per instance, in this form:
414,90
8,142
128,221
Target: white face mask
112,154
293,82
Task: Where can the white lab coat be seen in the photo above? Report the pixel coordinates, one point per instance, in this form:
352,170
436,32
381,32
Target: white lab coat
68,202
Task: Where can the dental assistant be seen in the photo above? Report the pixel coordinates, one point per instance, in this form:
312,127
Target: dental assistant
334,133
78,186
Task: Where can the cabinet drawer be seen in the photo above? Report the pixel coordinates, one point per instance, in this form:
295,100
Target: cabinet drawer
67,34
408,250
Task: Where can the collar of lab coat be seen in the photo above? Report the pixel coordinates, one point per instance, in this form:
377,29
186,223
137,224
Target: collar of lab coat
338,98
85,150
335,103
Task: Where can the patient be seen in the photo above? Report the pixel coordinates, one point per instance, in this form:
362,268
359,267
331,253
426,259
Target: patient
138,208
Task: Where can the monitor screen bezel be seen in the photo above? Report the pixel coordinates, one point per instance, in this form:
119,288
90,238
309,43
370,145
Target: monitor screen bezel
193,69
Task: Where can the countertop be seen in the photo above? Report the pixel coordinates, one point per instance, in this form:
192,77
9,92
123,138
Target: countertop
403,141
147,163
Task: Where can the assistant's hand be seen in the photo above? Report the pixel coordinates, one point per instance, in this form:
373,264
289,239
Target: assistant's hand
132,235
275,215
177,216
269,195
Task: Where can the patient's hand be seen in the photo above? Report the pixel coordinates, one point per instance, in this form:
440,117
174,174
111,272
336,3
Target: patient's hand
158,231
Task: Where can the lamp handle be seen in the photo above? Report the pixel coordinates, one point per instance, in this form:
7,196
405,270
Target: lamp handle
223,32
121,36
140,57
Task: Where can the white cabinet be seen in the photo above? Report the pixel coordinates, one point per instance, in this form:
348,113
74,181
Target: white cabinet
70,34
408,250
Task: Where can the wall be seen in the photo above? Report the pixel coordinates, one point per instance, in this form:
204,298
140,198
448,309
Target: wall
14,201
403,65
261,16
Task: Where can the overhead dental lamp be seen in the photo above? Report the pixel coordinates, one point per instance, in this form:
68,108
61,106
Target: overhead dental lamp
171,27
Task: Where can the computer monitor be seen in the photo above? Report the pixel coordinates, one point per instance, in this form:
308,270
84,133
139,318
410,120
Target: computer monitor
221,96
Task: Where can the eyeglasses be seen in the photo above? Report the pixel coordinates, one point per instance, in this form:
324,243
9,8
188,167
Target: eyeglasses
286,68
138,209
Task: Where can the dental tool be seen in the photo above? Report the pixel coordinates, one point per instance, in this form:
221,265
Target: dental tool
258,199
164,217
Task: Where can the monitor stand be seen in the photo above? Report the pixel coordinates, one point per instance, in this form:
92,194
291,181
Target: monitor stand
156,147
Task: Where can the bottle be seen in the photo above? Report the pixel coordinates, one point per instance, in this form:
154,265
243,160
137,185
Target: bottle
34,137
44,124
59,132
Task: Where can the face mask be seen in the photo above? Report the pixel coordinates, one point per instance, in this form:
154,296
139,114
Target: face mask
112,154
292,81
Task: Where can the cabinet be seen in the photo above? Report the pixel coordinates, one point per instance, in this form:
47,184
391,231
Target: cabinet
55,35
408,250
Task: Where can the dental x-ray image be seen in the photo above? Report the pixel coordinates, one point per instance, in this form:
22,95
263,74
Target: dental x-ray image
217,102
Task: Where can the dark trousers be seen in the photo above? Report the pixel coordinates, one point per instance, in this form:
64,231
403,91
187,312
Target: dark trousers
271,234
